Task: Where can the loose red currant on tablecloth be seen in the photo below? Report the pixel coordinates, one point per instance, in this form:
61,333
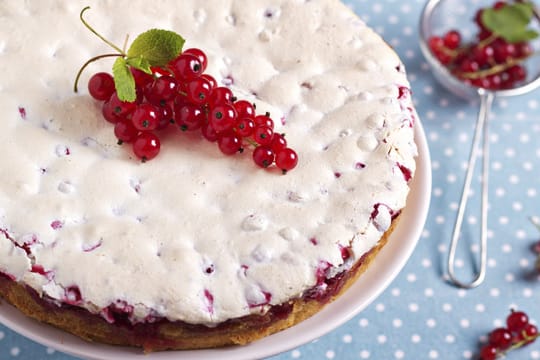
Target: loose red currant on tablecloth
516,321
501,338
518,332
495,59
147,92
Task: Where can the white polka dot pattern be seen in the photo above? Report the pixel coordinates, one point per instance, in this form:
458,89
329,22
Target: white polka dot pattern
420,316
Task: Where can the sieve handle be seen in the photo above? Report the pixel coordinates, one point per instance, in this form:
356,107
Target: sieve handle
481,132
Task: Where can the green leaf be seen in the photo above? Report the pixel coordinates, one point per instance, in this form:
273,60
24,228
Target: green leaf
511,22
157,46
525,35
124,81
140,63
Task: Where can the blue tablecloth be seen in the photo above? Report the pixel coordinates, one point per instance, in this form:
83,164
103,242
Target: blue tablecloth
420,316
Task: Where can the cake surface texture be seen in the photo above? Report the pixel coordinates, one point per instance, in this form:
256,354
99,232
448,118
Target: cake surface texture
194,237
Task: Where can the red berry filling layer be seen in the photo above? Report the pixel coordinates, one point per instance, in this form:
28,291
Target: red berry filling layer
149,333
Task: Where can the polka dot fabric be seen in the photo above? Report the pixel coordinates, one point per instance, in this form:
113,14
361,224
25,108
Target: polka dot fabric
420,316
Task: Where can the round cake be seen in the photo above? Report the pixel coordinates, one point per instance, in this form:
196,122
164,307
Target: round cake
195,249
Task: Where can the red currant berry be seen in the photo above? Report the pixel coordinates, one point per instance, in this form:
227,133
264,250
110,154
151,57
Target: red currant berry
528,334
140,95
517,73
494,82
501,338
199,54
286,159
229,143
221,95
121,108
481,83
244,108
209,133
263,156
198,91
263,135
245,127
452,39
469,66
484,34
141,78
503,52
101,86
189,117
436,44
222,117
159,71
264,120
166,117
186,66
211,80
488,352
163,89
146,117
523,49
499,5
278,142
125,132
478,19
146,146
180,99
483,55
108,113
516,321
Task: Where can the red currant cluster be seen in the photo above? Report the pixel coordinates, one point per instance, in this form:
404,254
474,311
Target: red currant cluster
182,94
517,333
490,62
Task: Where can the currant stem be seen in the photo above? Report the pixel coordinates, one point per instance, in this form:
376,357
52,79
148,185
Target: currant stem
488,40
75,85
525,341
495,69
251,142
125,43
97,34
